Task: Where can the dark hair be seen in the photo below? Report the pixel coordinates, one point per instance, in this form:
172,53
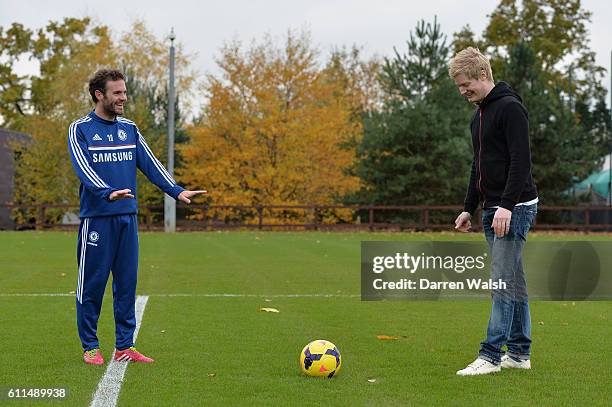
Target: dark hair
98,82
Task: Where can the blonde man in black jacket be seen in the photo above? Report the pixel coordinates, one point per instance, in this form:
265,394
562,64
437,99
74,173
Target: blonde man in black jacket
501,181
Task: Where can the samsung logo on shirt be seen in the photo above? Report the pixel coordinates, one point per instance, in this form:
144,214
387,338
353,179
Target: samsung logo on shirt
112,157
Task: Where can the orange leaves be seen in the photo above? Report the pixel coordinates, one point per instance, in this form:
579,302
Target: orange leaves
387,337
273,129
391,337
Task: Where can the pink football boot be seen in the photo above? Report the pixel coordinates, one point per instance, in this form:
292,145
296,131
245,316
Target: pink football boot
131,354
93,357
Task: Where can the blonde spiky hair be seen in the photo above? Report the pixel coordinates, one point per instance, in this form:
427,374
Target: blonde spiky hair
470,62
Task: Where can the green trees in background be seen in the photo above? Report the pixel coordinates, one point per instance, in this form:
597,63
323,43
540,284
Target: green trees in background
563,147
556,31
541,48
416,148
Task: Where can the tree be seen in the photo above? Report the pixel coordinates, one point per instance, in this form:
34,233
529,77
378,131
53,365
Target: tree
563,147
556,30
414,147
145,57
466,38
358,78
272,131
145,62
360,86
14,42
67,53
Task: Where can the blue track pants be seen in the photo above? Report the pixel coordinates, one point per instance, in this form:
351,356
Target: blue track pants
105,244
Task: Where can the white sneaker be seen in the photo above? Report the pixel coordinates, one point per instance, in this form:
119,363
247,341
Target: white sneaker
478,367
509,363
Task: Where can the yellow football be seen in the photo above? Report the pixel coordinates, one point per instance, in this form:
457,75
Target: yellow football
320,358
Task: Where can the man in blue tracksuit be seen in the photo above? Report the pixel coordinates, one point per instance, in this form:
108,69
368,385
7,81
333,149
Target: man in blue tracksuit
105,150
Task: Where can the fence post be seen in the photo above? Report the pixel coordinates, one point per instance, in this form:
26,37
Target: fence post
260,216
371,218
315,214
40,217
148,218
587,220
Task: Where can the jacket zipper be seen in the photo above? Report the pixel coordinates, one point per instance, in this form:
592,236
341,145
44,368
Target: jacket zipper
480,159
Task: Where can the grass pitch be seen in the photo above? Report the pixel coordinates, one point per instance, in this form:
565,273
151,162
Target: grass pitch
215,350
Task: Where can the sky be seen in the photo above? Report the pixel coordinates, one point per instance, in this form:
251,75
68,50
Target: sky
204,26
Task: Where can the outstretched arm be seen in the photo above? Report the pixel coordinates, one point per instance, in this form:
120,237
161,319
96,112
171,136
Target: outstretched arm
154,170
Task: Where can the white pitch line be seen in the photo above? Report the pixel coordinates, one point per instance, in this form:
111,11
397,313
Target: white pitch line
212,295
258,295
109,387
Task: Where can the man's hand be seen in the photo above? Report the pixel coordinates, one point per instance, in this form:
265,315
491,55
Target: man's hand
185,195
121,194
463,222
501,221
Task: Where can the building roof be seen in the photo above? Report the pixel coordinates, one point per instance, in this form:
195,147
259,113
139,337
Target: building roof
6,134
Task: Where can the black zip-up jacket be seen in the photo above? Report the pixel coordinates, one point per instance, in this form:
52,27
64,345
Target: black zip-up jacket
501,169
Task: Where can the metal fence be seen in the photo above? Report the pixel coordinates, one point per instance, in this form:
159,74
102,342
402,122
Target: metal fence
313,217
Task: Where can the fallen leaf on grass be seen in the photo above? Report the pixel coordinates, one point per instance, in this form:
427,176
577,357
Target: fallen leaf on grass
541,323
372,380
267,300
212,374
163,331
269,310
389,337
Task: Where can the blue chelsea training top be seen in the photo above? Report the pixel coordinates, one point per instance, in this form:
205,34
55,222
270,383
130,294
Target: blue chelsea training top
105,155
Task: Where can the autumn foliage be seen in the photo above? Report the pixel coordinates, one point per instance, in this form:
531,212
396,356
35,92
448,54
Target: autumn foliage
283,124
275,130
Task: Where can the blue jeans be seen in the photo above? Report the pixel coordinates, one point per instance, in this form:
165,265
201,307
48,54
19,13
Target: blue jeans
509,323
